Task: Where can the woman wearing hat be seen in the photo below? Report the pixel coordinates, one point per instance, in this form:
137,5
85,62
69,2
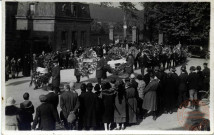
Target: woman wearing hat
150,96
120,105
11,113
108,96
131,99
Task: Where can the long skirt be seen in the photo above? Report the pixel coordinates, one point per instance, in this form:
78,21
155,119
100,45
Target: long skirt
150,101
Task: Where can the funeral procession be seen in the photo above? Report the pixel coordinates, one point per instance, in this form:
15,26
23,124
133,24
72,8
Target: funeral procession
107,66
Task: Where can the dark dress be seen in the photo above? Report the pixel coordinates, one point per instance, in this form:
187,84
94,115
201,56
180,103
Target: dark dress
108,106
120,109
26,115
131,99
89,106
150,98
46,116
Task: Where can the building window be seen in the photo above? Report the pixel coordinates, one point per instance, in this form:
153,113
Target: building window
83,38
74,10
64,38
32,8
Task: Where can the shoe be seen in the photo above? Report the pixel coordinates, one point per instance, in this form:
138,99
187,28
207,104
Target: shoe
123,128
116,128
170,112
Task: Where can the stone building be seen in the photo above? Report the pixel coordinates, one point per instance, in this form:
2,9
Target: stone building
53,25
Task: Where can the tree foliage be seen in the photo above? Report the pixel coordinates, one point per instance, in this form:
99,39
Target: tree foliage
179,21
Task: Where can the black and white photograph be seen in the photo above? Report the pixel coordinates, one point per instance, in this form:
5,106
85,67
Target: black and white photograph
106,66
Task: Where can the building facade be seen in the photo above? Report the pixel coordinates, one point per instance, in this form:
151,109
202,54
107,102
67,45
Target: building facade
54,25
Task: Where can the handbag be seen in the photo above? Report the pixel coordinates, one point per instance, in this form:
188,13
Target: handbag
71,117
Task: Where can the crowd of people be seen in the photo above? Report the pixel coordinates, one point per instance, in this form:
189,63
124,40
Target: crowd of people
113,104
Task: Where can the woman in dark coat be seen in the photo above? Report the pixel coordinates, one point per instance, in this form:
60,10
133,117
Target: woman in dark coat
120,105
182,87
170,91
108,105
150,95
131,99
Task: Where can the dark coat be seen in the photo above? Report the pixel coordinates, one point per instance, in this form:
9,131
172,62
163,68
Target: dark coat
201,80
170,91
53,99
206,73
56,76
69,102
100,67
150,98
193,81
120,109
134,84
26,115
131,99
89,106
46,116
108,106
76,67
183,82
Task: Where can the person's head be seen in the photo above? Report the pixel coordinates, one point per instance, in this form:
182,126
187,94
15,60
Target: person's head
139,77
132,76
83,87
50,87
11,101
72,85
55,63
43,52
192,69
113,81
103,85
108,85
127,80
152,76
26,96
67,87
97,87
156,69
89,87
205,65
162,69
173,69
43,98
183,68
198,68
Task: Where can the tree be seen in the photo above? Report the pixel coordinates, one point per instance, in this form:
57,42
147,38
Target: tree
178,21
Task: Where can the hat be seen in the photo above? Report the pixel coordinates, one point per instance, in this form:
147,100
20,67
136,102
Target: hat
205,63
89,85
97,87
49,87
132,76
11,101
42,98
156,68
192,68
139,77
26,95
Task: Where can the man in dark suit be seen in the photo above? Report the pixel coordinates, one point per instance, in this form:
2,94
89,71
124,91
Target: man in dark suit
25,116
206,81
56,77
69,102
89,106
46,115
99,70
193,86
52,97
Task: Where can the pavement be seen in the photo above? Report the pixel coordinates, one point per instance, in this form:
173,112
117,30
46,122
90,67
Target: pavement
17,87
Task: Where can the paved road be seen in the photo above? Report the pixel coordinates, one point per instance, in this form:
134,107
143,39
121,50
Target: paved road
16,88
